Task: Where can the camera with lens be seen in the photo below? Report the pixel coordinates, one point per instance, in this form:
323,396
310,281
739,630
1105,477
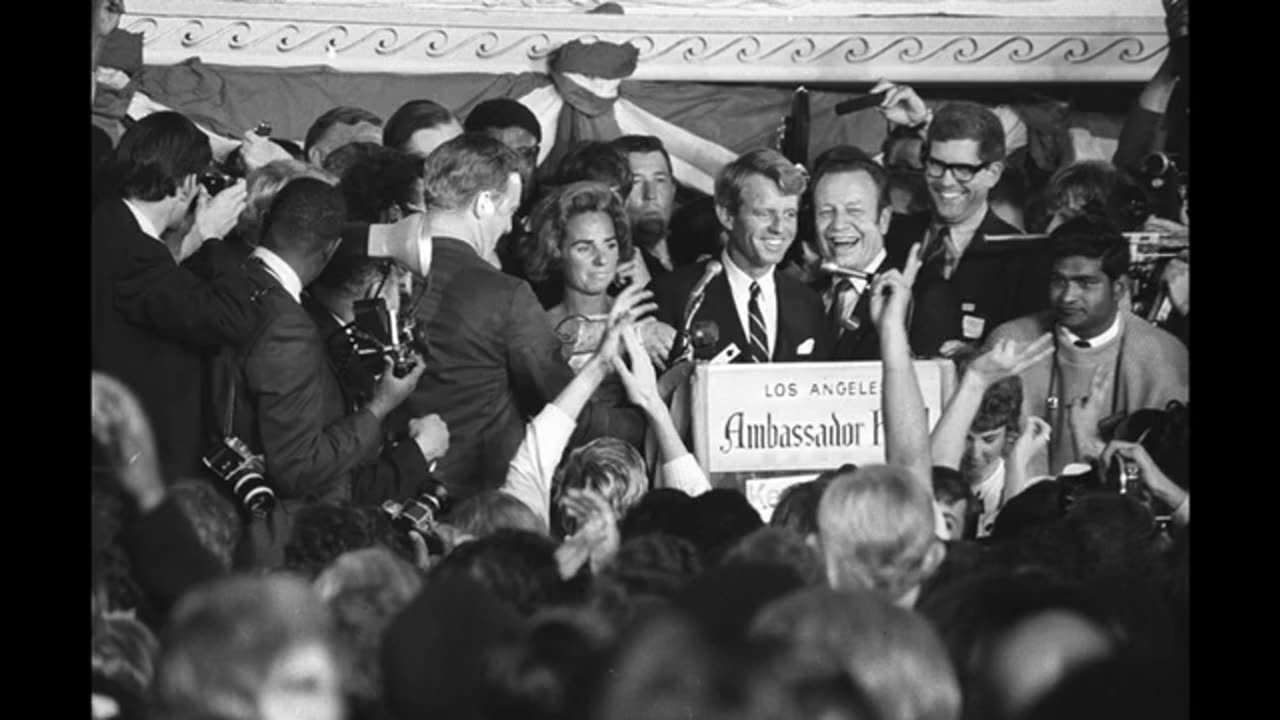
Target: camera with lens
215,181
233,463
377,333
1165,180
420,514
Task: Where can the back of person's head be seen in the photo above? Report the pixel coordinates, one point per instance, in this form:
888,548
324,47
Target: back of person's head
780,546
949,485
411,117
722,517
1098,187
354,277
502,113
321,533
158,154
892,653
725,599
214,518
964,120
596,161
1039,505
341,160
609,466
642,145
483,514
305,218
383,186
797,508
124,652
1011,634
335,128
466,166
365,590
262,186
1001,407
519,567
655,564
1092,237
668,670
549,671
225,639
434,652
665,510
769,164
878,531
850,159
1117,689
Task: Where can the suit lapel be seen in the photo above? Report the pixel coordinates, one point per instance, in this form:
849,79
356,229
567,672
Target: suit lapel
720,308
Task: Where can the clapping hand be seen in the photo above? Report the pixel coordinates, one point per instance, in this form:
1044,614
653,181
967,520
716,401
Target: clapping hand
640,379
596,539
633,303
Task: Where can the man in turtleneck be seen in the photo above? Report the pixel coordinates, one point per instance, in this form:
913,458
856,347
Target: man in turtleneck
1106,360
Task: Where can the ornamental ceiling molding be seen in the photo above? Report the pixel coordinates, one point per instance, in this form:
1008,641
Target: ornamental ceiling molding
413,40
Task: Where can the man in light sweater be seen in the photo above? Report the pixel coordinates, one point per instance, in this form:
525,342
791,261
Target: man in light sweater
1106,361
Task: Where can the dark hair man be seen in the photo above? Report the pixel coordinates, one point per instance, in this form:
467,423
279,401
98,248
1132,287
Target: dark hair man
767,316
420,126
338,127
1105,360
154,319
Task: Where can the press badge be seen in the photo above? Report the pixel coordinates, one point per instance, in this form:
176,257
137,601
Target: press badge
728,355
971,326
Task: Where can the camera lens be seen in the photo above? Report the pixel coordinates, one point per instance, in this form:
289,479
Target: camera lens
252,490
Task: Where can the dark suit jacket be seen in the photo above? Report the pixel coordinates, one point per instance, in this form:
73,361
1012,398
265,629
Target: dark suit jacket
863,342
494,360
1001,284
399,471
153,323
289,404
800,314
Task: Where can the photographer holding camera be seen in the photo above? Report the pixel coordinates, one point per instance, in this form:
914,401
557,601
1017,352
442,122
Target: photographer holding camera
402,469
285,401
154,319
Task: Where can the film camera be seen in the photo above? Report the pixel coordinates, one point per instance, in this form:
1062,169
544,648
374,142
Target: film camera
215,181
377,333
1165,180
419,515
235,464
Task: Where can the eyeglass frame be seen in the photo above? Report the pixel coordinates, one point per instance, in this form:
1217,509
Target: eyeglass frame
954,168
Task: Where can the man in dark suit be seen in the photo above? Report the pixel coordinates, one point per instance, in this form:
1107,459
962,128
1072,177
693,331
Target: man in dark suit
403,468
153,319
763,315
288,401
852,211
495,359
968,285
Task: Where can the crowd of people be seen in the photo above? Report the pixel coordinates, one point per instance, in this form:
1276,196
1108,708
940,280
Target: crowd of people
383,427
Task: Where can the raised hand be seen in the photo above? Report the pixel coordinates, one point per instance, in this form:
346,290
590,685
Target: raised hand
1033,439
636,271
891,293
597,533
258,151
658,338
1008,358
901,104
1177,278
217,215
633,303
1160,485
640,379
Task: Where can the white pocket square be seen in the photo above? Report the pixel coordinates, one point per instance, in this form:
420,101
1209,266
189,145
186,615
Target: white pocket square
805,348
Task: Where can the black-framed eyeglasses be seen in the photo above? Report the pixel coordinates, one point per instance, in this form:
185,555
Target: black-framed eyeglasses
961,172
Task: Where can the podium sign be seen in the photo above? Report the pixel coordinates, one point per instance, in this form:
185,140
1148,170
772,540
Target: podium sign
787,417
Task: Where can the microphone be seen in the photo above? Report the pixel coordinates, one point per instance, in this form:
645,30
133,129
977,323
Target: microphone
714,268
831,268
683,347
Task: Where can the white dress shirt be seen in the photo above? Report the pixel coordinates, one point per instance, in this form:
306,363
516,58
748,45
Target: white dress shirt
990,493
740,288
1107,335
281,271
143,221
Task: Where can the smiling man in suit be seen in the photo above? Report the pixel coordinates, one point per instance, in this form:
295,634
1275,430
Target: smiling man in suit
765,315
852,210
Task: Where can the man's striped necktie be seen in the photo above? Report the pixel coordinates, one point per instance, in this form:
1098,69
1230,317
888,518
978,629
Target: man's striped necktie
759,340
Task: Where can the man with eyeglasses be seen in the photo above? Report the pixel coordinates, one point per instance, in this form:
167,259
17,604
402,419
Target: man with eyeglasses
966,287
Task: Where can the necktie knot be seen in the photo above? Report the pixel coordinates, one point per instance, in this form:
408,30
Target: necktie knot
755,290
